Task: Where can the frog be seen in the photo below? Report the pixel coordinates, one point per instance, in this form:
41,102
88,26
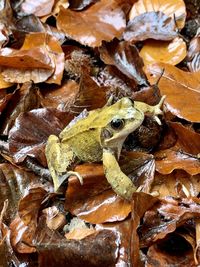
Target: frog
98,136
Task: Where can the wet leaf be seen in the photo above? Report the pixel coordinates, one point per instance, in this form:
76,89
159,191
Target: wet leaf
40,54
193,55
39,8
104,20
173,9
60,97
126,58
177,184
99,249
169,160
165,217
22,236
181,88
31,23
167,52
171,251
14,183
188,140
80,4
31,131
96,202
30,205
150,25
24,99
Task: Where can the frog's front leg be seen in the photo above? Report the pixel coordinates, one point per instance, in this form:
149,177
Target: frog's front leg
153,110
120,182
59,157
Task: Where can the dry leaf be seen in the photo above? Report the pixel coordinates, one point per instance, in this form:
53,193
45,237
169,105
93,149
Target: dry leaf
181,88
174,9
104,20
167,52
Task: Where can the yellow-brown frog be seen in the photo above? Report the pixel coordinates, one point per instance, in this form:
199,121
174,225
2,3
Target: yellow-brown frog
98,137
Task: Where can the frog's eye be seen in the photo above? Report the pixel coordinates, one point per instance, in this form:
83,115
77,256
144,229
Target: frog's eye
117,124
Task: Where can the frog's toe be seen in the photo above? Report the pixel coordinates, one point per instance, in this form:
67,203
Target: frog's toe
77,175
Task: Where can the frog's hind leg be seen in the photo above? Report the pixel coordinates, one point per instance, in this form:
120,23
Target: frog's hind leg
59,157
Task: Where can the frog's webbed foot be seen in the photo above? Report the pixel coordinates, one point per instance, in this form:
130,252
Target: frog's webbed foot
120,182
59,179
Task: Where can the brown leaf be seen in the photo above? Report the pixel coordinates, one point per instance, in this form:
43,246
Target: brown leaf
40,53
104,20
165,217
61,97
188,140
181,89
31,23
96,202
39,8
22,236
31,131
30,205
80,4
126,58
193,55
99,249
150,25
170,159
79,234
177,184
22,100
14,183
167,52
171,252
170,8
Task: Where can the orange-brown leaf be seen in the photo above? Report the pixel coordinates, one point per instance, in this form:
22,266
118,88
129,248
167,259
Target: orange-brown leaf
167,52
104,20
182,90
169,7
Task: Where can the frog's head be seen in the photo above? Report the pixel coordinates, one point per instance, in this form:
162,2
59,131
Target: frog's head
122,118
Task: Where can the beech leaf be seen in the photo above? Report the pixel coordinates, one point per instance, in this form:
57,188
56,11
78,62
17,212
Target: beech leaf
104,20
150,25
182,90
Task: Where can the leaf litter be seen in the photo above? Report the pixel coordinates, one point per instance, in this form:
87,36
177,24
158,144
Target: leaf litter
60,59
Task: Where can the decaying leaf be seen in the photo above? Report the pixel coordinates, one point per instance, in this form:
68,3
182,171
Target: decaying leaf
174,9
103,21
126,58
31,130
150,25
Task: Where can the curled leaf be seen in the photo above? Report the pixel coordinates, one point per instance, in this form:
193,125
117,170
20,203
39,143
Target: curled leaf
150,25
174,9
